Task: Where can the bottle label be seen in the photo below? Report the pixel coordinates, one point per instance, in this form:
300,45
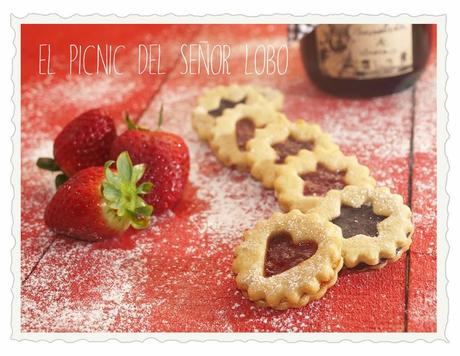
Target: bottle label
364,51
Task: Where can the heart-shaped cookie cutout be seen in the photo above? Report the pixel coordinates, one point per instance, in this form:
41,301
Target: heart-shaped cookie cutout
283,254
244,130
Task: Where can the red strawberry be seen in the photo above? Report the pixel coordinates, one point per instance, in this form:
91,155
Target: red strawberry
166,158
84,142
99,202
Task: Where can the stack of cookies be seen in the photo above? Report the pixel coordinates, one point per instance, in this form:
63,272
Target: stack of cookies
335,216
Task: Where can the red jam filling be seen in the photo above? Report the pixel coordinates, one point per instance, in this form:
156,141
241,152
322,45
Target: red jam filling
290,147
245,130
283,254
225,104
358,221
319,182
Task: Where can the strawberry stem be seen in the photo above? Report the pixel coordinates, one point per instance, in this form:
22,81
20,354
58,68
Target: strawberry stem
129,122
160,118
132,125
122,194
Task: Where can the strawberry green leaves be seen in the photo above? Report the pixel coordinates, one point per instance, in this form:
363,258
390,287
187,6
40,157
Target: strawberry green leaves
160,118
51,165
48,163
134,126
122,195
60,179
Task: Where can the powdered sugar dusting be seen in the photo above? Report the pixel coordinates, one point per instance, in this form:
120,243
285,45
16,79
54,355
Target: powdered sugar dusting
42,118
46,101
425,108
50,102
176,275
423,251
236,200
37,189
107,275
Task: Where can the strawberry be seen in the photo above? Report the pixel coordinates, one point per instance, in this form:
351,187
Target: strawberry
99,202
84,142
166,158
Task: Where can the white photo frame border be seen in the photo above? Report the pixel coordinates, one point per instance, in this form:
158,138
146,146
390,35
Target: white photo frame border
442,171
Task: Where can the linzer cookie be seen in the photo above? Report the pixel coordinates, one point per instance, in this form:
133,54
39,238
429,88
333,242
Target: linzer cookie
273,96
376,225
288,260
235,128
279,144
302,183
213,103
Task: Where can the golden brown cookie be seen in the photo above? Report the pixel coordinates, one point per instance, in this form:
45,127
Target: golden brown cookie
376,225
236,127
279,144
213,103
302,183
273,96
288,260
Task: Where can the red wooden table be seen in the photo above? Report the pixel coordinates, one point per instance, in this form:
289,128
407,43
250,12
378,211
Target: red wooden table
176,276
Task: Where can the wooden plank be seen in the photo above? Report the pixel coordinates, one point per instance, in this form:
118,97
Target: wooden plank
49,102
378,132
176,276
422,277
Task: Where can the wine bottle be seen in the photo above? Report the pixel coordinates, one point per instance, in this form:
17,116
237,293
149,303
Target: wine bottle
360,60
